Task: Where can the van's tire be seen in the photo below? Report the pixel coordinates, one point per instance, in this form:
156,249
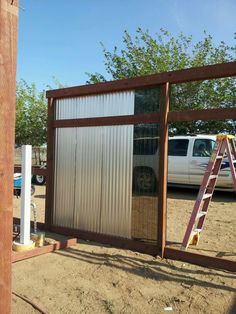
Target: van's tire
39,180
144,180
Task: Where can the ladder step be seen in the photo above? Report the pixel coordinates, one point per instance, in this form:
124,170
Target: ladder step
201,214
207,195
212,176
207,187
195,231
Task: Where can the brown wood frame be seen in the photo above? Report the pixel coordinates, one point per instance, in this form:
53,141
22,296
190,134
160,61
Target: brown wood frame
35,170
58,245
8,51
174,77
200,259
163,118
163,170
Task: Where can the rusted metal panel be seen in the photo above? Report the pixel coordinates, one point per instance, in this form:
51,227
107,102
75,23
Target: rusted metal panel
8,40
180,76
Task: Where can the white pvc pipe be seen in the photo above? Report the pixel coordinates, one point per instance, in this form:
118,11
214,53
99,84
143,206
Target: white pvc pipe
26,165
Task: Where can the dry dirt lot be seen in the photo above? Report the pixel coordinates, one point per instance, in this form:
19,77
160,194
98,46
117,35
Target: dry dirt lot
93,278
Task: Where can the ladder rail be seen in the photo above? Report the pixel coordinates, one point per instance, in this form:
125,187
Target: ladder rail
202,191
231,164
224,143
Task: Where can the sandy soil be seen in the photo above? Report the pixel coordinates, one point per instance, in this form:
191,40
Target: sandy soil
91,278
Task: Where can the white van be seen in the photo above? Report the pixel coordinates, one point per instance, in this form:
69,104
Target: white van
187,161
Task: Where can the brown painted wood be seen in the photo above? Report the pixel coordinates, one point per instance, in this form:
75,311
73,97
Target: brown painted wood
174,77
35,170
206,114
40,225
8,48
20,256
163,169
50,166
104,121
127,244
199,259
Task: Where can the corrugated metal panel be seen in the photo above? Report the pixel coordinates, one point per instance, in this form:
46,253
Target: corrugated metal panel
64,193
93,174
88,179
117,180
114,104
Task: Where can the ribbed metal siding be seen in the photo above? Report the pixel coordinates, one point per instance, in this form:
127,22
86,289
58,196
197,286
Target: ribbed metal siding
117,180
114,104
88,179
93,166
65,162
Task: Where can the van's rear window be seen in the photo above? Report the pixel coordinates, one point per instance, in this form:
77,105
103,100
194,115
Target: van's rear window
178,147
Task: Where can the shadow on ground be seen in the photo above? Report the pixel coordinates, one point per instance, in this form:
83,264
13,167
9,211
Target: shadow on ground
156,269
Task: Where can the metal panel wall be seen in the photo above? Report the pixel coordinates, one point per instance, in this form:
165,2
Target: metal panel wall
117,180
113,104
88,179
65,162
93,166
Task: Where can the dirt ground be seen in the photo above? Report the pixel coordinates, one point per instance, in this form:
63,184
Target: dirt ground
93,278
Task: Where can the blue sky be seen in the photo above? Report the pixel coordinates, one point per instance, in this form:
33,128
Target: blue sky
61,38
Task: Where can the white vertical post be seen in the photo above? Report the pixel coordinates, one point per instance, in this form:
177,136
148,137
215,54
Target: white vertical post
26,165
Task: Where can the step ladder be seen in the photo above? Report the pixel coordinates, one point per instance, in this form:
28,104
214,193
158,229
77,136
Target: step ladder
224,144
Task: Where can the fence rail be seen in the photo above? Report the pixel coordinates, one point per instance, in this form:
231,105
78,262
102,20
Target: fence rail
35,170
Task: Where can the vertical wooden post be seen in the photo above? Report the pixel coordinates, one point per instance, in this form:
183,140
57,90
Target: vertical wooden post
163,169
8,42
50,166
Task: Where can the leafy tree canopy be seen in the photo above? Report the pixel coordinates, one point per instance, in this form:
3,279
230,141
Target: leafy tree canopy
31,115
145,54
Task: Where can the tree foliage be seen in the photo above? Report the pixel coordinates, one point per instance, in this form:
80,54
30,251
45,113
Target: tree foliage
145,54
31,115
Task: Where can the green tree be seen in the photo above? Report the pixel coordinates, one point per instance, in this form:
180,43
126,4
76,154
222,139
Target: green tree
145,54
31,115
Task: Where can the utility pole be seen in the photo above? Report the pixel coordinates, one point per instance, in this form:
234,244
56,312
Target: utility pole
8,48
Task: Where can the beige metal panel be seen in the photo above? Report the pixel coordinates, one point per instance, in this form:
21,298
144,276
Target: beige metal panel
93,166
64,191
117,181
65,108
88,179
113,104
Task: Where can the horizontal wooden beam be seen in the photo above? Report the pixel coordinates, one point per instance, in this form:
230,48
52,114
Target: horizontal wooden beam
206,114
20,256
35,171
106,121
40,225
180,76
123,243
199,259
173,116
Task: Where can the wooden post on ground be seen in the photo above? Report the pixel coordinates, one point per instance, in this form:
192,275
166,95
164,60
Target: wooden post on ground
8,42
